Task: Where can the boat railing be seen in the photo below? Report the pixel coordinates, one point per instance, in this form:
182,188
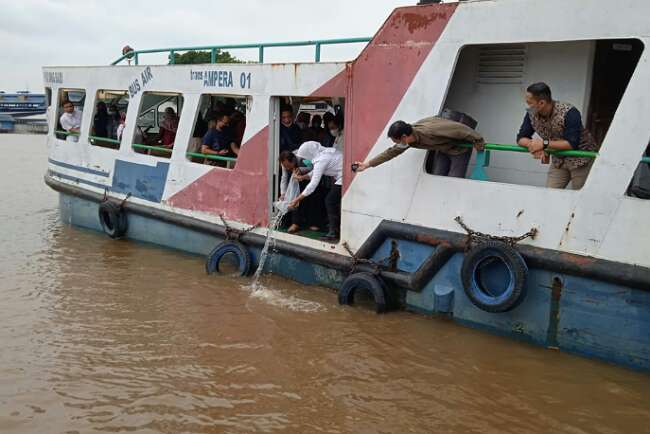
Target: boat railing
483,157
260,47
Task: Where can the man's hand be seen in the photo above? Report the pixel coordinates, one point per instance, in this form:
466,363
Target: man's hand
361,166
223,152
281,198
294,203
535,146
480,145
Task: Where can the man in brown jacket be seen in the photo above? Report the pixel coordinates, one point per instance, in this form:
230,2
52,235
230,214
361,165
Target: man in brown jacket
433,134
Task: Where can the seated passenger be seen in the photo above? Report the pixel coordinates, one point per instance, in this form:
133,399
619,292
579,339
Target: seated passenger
335,126
560,127
325,162
290,133
218,140
102,120
71,121
168,128
434,134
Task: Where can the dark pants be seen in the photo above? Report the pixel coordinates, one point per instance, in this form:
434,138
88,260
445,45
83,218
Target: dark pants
451,165
311,211
333,206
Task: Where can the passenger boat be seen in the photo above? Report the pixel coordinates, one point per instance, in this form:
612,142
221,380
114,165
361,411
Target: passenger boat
567,269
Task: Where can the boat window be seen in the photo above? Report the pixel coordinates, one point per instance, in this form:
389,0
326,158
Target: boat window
218,130
586,79
69,114
157,123
306,125
109,118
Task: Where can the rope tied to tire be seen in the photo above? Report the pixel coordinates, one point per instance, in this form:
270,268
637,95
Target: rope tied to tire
233,234
377,266
476,237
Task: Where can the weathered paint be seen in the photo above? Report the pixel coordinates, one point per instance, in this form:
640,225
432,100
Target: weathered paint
140,180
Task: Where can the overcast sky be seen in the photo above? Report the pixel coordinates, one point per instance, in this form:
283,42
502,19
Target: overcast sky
59,32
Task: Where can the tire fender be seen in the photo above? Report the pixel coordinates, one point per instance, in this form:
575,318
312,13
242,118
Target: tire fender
238,249
483,297
112,219
371,283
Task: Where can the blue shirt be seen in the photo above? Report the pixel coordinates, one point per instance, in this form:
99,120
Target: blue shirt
572,128
218,140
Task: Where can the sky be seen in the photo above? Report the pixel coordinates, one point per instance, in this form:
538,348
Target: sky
70,33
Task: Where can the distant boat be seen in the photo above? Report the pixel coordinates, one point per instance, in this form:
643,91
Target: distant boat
22,103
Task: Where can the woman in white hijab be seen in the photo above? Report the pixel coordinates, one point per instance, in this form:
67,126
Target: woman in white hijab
324,162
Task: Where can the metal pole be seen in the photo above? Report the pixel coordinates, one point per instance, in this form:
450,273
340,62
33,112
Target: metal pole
261,56
317,52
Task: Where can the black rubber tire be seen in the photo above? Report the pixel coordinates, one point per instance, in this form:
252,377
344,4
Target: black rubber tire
482,297
113,219
238,249
371,283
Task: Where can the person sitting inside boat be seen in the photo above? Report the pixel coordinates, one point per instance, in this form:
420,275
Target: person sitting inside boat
559,127
219,139
168,128
312,211
434,134
325,162
71,121
290,133
335,126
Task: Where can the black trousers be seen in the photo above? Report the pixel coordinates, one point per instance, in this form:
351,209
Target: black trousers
333,206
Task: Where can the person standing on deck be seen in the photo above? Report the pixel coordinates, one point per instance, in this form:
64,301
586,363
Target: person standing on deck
559,127
434,134
71,121
290,133
325,162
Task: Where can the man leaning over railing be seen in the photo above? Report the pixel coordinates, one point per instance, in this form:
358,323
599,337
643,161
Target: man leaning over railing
559,127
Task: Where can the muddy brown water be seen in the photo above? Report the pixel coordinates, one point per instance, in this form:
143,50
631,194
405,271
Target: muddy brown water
103,336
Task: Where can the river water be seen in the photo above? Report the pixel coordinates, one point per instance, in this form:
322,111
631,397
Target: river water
116,336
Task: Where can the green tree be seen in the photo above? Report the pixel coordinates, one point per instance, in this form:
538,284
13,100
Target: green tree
192,57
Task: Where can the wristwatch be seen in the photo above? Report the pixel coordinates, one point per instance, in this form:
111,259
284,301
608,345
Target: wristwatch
546,143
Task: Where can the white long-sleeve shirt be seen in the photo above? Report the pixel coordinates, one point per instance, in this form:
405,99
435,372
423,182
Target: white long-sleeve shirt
327,164
70,121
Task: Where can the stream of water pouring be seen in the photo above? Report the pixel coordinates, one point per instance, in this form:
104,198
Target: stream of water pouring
273,226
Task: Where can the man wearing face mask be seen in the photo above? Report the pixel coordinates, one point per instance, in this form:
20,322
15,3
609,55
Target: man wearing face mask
559,126
335,126
433,134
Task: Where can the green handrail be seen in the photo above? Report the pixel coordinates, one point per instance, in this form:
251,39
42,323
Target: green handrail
106,139
66,133
516,148
260,46
152,148
210,156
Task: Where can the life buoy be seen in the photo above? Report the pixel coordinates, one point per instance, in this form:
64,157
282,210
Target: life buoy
484,272
240,252
371,283
112,219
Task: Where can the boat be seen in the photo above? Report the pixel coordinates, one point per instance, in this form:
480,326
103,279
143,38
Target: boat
498,251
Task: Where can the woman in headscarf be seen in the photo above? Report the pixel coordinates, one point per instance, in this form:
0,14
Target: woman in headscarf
168,128
324,162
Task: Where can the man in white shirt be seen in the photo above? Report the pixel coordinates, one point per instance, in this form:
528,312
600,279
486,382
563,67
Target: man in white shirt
325,162
71,121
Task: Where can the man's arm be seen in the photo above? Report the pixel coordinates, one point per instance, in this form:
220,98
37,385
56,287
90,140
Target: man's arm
460,132
316,176
571,136
387,155
526,131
